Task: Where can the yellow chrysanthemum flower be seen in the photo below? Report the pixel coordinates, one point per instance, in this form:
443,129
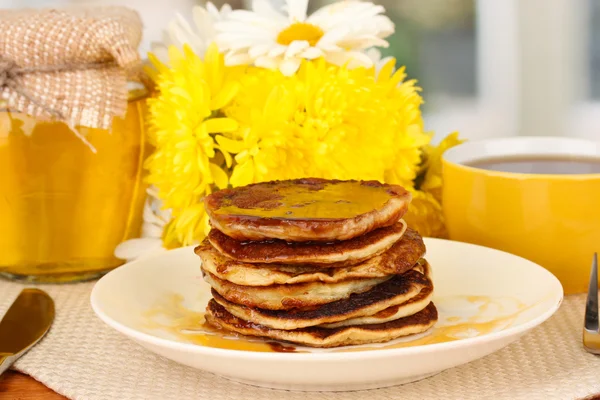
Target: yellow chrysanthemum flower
184,120
215,126
425,215
432,167
325,121
425,211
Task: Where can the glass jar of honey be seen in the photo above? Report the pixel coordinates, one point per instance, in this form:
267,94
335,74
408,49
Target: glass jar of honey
63,207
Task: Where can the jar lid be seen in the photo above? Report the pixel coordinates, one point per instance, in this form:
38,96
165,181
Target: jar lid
69,64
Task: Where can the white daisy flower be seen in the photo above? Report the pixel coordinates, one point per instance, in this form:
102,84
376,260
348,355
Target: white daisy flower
198,37
375,55
338,32
150,242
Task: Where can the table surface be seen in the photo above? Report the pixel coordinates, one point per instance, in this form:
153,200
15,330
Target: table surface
14,385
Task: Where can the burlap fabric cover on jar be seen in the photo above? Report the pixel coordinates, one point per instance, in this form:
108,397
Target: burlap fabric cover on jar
71,141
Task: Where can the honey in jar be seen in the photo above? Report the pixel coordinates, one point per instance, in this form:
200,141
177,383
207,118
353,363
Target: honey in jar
71,140
63,207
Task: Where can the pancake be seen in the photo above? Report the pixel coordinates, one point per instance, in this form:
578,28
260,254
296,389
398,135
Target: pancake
398,297
391,313
397,260
334,254
219,317
280,274
310,209
285,297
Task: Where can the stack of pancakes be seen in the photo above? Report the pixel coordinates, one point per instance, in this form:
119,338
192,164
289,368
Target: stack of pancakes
316,262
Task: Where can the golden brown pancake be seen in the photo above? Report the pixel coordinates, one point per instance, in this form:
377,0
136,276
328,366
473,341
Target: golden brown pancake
285,297
391,313
398,297
280,274
315,336
397,260
334,254
308,209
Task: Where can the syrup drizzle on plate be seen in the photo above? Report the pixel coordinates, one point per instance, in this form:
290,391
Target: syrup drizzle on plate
461,317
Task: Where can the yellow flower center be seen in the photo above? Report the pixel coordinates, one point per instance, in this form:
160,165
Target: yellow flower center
300,31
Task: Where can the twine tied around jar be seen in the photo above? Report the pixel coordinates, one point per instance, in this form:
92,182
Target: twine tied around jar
70,65
10,74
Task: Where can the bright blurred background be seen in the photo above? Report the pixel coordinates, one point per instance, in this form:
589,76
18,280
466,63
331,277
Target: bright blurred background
487,67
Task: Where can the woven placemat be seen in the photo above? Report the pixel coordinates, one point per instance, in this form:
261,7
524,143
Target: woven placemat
84,359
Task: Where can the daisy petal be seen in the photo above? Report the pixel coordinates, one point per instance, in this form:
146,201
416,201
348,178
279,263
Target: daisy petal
211,9
265,9
236,45
277,50
289,66
259,50
215,13
351,59
333,48
296,47
361,43
151,230
333,36
345,28
296,10
374,54
150,217
225,10
247,35
360,59
266,62
137,248
247,19
203,21
237,59
311,53
197,35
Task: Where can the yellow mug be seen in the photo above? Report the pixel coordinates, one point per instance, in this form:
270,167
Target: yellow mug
551,219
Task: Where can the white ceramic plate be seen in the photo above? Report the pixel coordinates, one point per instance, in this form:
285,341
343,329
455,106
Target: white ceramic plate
486,300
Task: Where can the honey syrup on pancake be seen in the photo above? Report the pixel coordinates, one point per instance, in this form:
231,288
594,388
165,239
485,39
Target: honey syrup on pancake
333,201
190,326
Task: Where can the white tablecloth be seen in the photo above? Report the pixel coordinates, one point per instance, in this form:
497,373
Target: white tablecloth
84,359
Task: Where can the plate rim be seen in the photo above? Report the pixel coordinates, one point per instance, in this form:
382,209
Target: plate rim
328,356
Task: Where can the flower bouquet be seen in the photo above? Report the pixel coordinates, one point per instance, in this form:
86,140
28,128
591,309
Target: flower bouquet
245,96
